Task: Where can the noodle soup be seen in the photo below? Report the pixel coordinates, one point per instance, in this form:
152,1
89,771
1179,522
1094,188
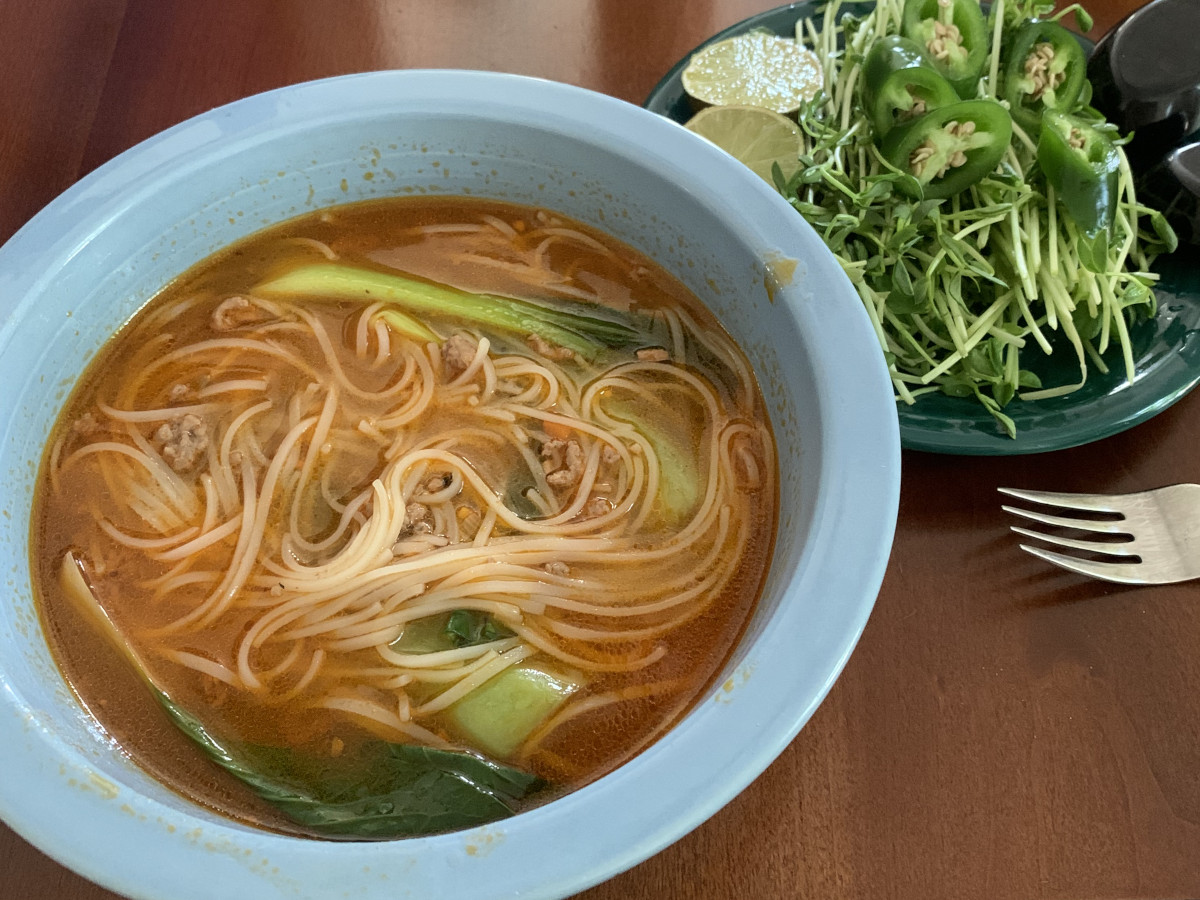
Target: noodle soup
404,516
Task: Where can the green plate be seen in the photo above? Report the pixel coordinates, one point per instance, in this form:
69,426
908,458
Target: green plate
1166,349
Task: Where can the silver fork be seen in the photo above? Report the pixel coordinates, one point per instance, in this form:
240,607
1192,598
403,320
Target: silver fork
1161,527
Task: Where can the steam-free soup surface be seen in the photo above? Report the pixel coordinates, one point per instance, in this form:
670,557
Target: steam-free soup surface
359,520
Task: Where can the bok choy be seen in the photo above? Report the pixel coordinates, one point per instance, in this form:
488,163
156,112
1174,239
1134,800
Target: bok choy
585,328
380,790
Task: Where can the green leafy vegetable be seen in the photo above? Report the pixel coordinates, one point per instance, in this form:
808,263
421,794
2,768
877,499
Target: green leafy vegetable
449,631
680,487
585,328
468,627
516,499
406,325
962,288
501,713
382,790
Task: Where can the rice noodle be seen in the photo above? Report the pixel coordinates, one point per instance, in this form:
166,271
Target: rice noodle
152,415
203,665
232,386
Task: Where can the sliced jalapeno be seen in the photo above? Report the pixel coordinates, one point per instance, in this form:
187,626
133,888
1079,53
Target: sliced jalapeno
899,84
1082,165
1046,69
949,149
953,34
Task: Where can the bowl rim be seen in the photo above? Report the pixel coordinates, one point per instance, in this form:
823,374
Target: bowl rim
89,847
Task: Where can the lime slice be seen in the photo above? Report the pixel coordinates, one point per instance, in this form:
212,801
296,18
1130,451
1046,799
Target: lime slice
754,69
754,136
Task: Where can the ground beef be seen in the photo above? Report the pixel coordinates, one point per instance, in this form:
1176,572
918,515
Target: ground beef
238,312
653,354
550,351
417,520
86,424
183,440
457,354
596,506
562,461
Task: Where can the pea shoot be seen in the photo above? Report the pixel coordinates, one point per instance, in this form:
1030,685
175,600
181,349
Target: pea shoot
969,252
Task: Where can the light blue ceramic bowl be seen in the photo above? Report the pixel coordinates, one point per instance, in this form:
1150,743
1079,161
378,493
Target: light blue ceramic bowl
83,266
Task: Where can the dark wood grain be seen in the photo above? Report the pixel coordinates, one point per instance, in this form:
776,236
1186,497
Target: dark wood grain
53,66
1004,731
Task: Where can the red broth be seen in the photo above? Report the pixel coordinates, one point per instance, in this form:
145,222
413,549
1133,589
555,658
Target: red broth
328,516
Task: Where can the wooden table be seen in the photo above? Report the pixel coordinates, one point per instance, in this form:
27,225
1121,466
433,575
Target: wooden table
1004,730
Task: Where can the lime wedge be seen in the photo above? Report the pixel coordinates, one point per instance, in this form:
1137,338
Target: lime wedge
754,69
757,137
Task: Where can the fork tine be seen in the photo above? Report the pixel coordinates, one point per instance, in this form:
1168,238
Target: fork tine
1107,547
1086,502
1121,573
1066,522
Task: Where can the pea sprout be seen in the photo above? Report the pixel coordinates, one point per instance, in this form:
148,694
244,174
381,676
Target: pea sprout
961,291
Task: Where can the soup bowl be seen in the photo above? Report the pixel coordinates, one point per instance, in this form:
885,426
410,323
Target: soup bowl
81,268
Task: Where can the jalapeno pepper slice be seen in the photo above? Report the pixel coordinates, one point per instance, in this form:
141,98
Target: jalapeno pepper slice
1082,165
1046,69
899,84
953,34
949,149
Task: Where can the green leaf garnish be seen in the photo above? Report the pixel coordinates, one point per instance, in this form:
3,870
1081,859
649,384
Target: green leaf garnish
382,790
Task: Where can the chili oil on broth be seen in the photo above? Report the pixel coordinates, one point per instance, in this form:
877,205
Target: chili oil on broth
265,493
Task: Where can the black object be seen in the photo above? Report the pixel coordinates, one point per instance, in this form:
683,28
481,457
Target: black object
1182,170
1184,163
1145,76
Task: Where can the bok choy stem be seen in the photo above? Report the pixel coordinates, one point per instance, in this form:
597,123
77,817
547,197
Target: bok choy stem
585,328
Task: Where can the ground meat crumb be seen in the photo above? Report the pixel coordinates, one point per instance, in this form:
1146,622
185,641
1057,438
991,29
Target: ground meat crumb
609,454
86,424
183,440
179,392
562,461
238,312
214,692
551,351
457,355
557,568
417,520
653,354
596,506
